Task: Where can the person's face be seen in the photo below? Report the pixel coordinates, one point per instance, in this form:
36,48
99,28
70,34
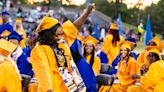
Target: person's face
98,47
58,34
151,43
89,48
124,52
151,57
14,41
5,19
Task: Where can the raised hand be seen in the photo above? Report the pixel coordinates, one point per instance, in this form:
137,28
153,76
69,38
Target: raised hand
90,8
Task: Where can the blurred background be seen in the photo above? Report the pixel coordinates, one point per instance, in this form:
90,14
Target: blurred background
131,15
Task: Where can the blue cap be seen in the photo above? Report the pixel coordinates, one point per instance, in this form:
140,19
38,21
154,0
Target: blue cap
99,43
5,13
131,40
15,35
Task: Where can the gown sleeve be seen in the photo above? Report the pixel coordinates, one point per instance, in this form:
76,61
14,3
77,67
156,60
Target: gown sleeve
70,32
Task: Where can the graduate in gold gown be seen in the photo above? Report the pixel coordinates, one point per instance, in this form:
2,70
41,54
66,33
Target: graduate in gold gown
51,57
89,54
127,69
111,45
142,58
10,80
20,30
153,80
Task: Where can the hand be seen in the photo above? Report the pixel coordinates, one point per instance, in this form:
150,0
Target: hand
33,39
115,76
135,76
144,68
90,7
29,60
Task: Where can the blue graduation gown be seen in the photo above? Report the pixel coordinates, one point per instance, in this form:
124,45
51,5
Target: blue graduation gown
135,56
84,68
103,57
24,66
27,51
6,26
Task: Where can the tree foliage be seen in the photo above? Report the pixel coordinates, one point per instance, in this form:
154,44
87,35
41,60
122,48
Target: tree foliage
134,16
131,16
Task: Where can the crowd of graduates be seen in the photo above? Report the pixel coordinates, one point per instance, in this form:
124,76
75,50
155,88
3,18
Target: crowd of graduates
56,58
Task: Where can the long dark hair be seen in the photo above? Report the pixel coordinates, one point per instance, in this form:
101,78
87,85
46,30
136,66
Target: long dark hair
116,36
46,37
156,56
130,55
92,57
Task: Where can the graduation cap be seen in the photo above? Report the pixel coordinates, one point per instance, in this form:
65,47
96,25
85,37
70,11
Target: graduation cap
131,40
113,26
46,23
6,47
100,43
5,33
157,41
128,45
155,49
90,39
15,35
79,37
5,13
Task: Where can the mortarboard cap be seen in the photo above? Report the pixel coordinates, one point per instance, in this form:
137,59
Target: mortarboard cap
6,47
46,23
157,41
90,39
5,13
79,37
128,45
155,49
15,35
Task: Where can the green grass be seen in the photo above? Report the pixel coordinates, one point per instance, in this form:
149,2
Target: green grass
128,26
140,47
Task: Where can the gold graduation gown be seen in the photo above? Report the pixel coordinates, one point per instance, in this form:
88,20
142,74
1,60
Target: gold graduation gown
111,50
96,65
45,65
23,41
124,74
142,59
153,80
9,79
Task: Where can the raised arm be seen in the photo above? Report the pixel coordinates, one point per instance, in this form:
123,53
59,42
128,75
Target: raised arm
80,21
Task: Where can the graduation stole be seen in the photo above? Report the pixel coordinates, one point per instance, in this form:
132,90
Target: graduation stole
68,69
